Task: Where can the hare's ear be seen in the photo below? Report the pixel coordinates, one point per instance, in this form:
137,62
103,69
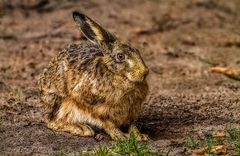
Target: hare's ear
93,31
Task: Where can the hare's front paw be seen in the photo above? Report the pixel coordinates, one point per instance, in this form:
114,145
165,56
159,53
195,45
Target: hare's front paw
138,135
142,137
118,135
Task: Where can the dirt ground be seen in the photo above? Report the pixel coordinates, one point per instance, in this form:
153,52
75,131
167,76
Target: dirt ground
180,41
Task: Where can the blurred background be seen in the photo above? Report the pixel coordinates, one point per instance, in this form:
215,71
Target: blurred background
179,40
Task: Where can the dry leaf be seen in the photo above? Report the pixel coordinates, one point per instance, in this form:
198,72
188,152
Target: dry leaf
219,134
216,149
226,71
200,151
219,149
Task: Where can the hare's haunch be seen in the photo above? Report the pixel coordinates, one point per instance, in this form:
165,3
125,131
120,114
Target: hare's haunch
101,83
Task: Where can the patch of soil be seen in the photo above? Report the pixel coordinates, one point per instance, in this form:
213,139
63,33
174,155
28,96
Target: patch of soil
180,41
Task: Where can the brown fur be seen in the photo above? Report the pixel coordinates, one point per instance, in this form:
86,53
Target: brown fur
86,85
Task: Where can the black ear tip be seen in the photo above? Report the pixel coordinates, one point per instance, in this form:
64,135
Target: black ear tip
78,15
75,13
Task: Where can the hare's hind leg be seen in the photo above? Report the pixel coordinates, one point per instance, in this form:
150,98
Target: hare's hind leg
52,103
58,114
76,129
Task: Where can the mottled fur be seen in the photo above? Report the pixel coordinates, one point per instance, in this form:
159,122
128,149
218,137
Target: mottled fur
85,85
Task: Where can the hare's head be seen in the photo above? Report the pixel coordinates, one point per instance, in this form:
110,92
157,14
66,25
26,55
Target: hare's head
120,58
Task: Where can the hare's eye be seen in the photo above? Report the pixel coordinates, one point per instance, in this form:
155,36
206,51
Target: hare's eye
120,57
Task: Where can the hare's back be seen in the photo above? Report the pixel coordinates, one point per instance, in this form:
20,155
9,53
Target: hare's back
80,56
74,58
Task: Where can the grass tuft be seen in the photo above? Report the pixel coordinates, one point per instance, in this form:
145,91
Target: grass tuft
231,141
126,147
234,133
191,143
129,147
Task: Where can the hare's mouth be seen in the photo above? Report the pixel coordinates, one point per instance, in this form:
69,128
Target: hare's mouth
136,77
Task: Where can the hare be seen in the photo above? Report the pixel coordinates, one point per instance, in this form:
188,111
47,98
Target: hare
96,84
